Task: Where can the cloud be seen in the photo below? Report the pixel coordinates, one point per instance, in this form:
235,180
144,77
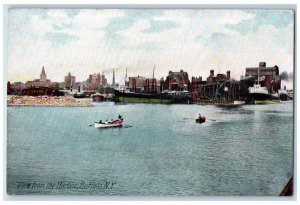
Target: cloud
276,18
87,40
60,38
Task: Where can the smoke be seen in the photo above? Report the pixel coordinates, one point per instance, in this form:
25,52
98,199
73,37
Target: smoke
288,77
284,76
291,76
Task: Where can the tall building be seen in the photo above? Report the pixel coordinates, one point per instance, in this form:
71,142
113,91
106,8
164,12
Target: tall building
136,83
70,81
42,82
97,80
43,76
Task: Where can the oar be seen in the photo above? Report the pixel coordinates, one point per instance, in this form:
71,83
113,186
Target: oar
127,126
92,124
186,118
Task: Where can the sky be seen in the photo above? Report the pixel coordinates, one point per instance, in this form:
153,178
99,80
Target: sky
86,41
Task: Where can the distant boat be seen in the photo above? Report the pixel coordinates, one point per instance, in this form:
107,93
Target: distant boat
259,93
97,97
200,119
283,95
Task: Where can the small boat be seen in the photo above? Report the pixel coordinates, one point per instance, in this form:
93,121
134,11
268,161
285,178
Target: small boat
200,120
97,97
113,123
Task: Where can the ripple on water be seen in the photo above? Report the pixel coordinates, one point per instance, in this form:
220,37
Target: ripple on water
247,150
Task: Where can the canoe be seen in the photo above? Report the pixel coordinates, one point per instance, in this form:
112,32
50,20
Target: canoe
115,123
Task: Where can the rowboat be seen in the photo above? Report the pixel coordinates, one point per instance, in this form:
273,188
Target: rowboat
114,123
200,120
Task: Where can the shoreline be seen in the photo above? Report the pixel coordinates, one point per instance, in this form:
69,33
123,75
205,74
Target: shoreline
48,101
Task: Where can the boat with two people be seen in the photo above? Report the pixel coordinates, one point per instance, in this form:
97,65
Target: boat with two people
112,123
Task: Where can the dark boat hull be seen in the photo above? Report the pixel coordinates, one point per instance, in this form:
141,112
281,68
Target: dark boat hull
200,120
284,97
261,96
151,98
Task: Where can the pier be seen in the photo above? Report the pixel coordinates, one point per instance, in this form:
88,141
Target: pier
220,92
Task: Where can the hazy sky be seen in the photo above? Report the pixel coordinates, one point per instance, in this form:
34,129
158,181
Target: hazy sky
87,41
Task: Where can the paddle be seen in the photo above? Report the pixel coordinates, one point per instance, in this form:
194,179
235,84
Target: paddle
186,118
92,124
127,126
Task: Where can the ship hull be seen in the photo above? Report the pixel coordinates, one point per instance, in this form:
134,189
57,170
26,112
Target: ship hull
284,97
262,96
151,98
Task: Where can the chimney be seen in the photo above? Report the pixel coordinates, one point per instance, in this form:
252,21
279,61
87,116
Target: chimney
212,73
228,75
262,64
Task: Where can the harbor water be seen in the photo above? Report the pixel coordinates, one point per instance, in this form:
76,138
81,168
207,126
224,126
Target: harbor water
245,150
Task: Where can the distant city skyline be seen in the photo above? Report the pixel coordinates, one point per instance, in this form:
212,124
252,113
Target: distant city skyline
87,41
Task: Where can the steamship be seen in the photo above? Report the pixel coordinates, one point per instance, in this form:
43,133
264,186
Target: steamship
181,97
261,93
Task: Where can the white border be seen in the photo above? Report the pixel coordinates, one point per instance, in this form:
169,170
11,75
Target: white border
136,4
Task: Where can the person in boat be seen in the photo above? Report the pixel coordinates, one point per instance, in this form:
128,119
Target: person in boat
106,121
199,116
100,122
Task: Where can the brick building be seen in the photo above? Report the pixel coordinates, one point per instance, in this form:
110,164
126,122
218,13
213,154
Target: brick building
178,81
269,76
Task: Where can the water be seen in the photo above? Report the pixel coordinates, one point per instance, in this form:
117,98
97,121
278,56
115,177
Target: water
247,150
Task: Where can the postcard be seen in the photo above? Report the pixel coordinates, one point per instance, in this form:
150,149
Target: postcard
150,102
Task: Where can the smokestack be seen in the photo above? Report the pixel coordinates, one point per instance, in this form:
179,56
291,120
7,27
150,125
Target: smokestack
262,64
212,73
228,75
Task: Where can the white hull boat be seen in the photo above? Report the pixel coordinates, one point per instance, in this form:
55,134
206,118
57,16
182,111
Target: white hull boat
115,123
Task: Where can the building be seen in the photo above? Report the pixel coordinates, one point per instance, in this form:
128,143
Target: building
177,81
43,76
137,83
196,81
70,81
41,82
216,88
219,77
97,81
37,91
15,88
268,76
152,85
